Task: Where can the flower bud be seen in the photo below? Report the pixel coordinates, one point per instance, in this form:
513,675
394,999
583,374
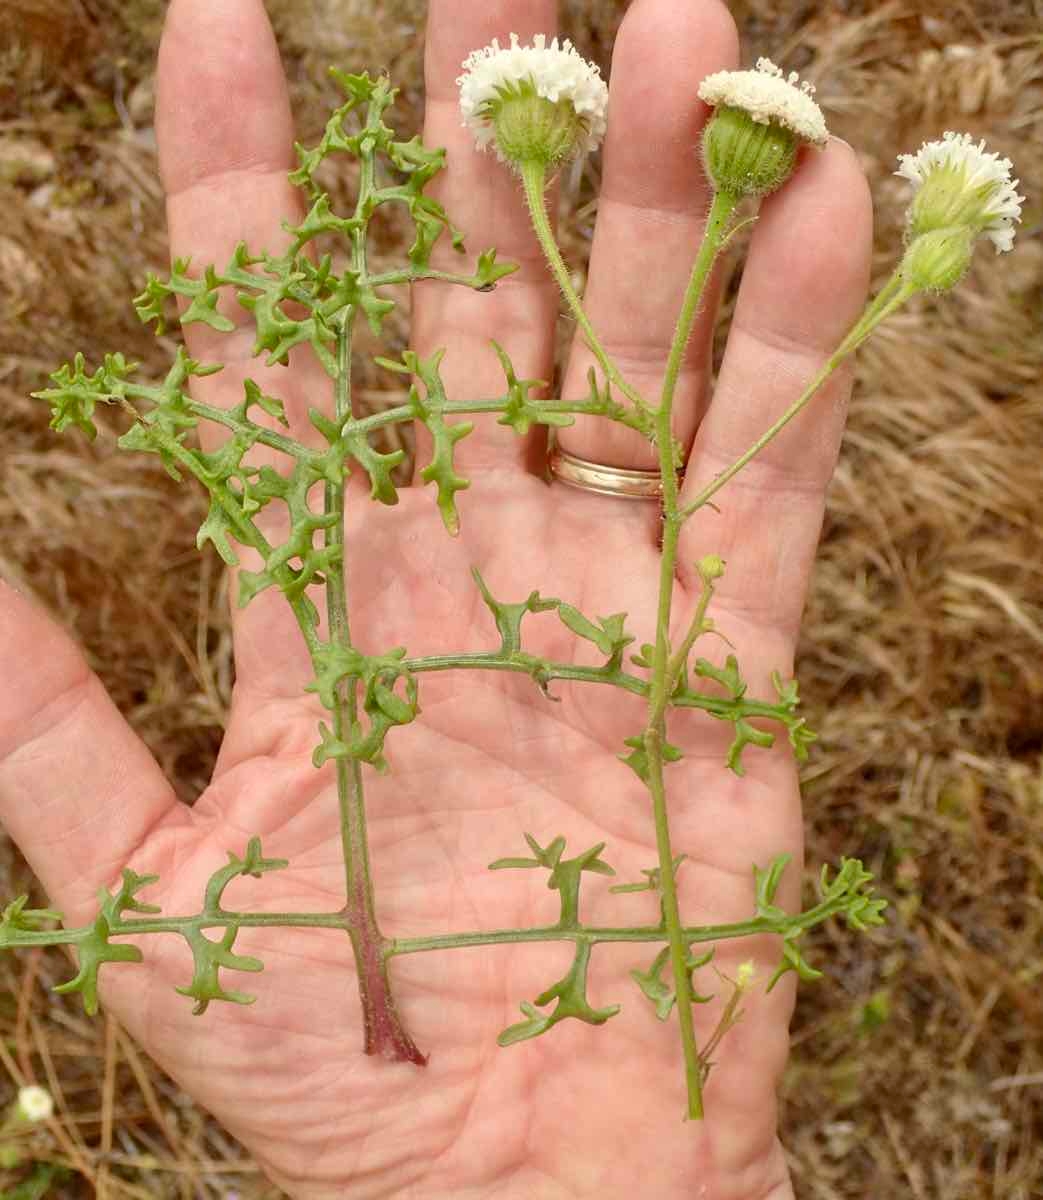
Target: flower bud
750,143
745,975
534,104
938,260
710,568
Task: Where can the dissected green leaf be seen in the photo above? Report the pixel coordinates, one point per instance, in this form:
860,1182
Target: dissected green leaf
489,272
208,958
565,874
570,994
509,617
655,988
727,676
92,952
16,918
746,735
609,635
652,881
850,888
766,883
637,759
646,657
793,960
124,899
253,863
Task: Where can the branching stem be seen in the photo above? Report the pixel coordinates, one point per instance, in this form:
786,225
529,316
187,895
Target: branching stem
393,947
655,731
891,297
384,1031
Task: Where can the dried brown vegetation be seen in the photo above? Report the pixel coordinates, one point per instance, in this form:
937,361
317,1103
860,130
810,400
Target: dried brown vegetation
918,1065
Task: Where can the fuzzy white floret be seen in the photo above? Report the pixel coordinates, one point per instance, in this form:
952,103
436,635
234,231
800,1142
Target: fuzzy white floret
35,1103
769,95
983,170
557,71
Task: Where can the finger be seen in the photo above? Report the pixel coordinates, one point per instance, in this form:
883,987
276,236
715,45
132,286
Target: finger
651,214
225,136
484,199
225,139
804,285
79,792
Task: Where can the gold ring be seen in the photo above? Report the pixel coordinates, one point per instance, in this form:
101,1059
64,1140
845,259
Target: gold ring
626,483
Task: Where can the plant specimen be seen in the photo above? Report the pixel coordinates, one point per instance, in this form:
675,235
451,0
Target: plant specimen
281,494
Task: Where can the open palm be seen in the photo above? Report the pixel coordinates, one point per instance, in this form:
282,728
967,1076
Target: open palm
583,1111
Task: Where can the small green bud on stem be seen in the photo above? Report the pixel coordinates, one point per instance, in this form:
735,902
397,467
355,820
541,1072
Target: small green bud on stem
937,261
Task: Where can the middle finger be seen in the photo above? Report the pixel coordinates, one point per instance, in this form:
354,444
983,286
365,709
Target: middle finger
652,210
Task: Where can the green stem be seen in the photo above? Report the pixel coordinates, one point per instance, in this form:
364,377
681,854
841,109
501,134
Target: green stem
891,297
402,413
655,732
246,532
534,180
384,1031
714,236
419,274
22,938
697,627
726,708
266,437
350,794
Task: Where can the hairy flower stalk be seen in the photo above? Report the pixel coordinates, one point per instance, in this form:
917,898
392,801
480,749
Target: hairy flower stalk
539,106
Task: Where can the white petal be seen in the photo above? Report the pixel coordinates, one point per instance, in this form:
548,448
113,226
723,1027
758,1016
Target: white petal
557,71
768,95
982,169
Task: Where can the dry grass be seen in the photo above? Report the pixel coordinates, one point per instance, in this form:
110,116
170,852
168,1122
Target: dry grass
918,1067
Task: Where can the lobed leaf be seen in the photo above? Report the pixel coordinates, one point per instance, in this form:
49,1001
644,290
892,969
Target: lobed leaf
208,959
570,995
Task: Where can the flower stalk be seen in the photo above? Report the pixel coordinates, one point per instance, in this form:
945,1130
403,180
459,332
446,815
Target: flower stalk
534,180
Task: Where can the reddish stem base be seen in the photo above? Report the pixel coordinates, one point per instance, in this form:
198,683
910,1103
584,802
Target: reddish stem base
383,1029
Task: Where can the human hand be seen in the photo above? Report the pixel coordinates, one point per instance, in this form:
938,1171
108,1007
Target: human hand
489,758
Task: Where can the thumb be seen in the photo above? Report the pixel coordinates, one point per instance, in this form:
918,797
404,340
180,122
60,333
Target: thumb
79,792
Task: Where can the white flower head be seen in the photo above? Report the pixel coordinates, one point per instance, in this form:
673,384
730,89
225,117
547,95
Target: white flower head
555,73
34,1104
769,97
960,183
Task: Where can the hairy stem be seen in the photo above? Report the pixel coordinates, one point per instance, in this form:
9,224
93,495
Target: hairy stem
891,297
655,731
534,179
